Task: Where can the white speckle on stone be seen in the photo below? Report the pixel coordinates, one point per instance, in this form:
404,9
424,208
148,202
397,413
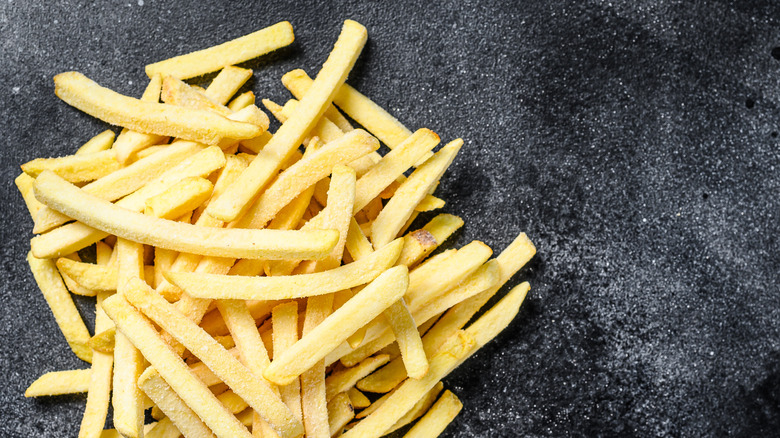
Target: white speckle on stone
140,2
15,90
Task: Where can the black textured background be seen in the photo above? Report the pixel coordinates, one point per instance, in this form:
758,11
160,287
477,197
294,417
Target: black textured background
635,142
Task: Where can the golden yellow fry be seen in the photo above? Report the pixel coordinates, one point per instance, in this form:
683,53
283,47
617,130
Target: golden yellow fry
104,254
344,380
429,203
419,408
340,412
433,423
357,398
245,384
375,405
100,142
61,304
162,429
285,334
99,395
175,372
184,196
287,138
176,92
232,52
24,183
289,286
305,173
420,243
75,168
234,165
227,83
361,309
59,383
103,341
101,278
412,390
172,405
256,144
408,338
325,129
73,286
393,165
313,389
299,88
242,100
130,142
236,243
401,206
147,117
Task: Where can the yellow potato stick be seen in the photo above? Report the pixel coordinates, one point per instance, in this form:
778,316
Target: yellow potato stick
99,395
176,92
104,254
408,338
73,286
357,398
100,278
357,244
227,83
187,421
343,380
241,101
163,260
306,173
246,385
176,373
287,138
400,207
479,281
103,341
299,83
59,383
24,183
289,216
75,168
130,142
147,117
285,334
393,165
361,309
313,389
433,423
420,243
180,198
233,167
419,408
340,412
325,129
229,53
375,405
429,203
162,429
411,391
236,243
100,142
289,286
61,304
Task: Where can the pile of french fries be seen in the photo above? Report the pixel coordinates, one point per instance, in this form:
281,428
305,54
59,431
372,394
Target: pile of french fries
245,287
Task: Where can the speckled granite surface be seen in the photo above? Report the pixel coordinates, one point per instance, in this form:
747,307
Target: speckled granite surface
635,142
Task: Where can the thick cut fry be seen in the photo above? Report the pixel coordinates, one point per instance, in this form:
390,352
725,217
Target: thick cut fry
176,92
147,117
175,372
61,305
103,341
393,165
361,309
289,286
236,243
184,196
241,101
420,243
249,387
306,173
172,405
408,338
429,203
285,334
345,380
419,408
73,286
313,389
299,88
75,168
130,142
324,129
404,398
401,206
358,399
162,429
227,83
340,412
100,142
59,383
232,52
433,423
99,395
334,72
101,278
24,183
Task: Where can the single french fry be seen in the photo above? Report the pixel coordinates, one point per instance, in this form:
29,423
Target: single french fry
401,206
419,408
147,117
184,196
236,243
313,389
130,142
163,260
103,341
75,168
162,429
242,100
285,334
232,52
61,304
344,380
59,383
408,338
241,380
100,142
227,83
429,203
176,92
345,52
256,144
357,243
340,412
290,286
101,278
412,390
418,244
99,395
433,423
24,183
357,398
172,405
176,373
299,88
73,286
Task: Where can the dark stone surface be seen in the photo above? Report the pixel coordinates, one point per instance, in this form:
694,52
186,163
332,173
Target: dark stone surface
636,143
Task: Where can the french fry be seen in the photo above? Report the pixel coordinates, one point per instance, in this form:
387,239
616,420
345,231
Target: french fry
162,429
340,412
59,383
408,338
75,168
99,395
357,398
433,423
130,142
420,243
245,384
429,203
400,207
100,278
242,100
73,286
103,341
184,196
325,129
232,52
24,183
286,287
236,243
61,304
176,92
285,334
147,117
299,88
100,142
412,390
227,83
313,387
346,50
175,372
419,408
172,405
345,380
